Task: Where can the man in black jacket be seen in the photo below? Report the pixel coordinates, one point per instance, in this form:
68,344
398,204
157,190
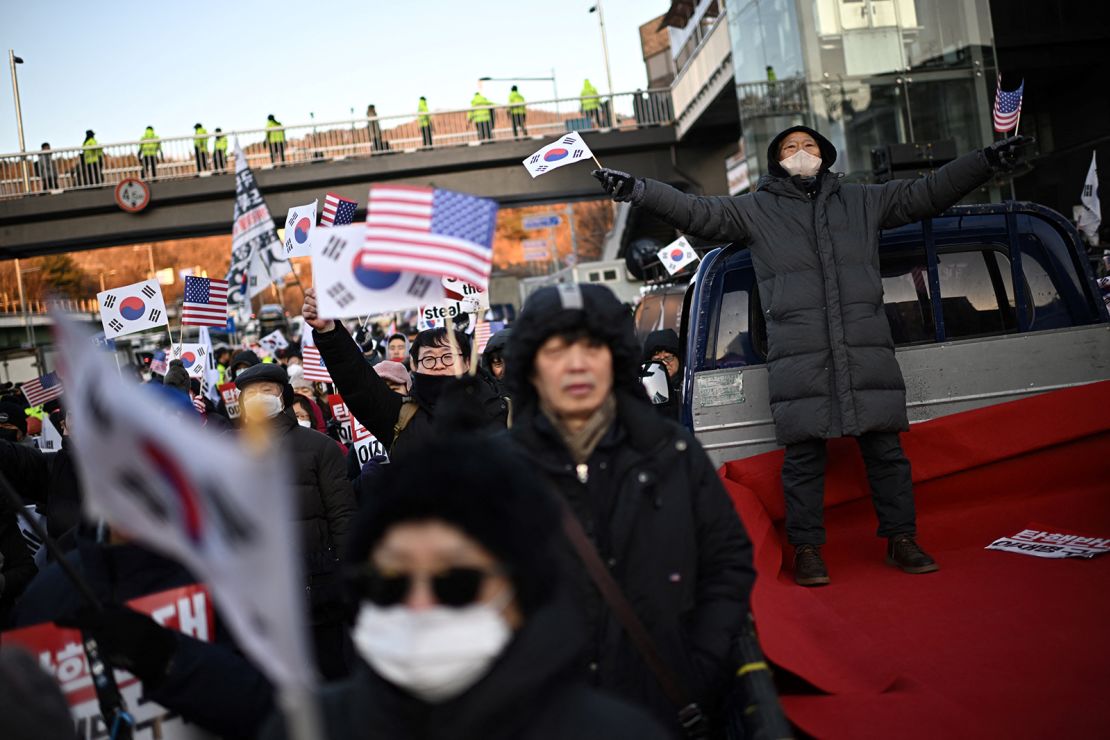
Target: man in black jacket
400,424
325,500
643,489
831,365
662,346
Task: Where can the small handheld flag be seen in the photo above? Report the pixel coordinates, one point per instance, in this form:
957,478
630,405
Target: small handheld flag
205,302
193,357
42,389
338,211
677,255
299,222
567,150
314,368
132,308
1007,107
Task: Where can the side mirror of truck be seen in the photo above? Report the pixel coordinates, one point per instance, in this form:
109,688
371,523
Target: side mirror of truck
654,377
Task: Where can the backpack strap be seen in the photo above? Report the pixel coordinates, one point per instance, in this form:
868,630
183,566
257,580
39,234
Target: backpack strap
408,411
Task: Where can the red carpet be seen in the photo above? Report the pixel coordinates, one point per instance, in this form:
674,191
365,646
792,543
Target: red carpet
994,645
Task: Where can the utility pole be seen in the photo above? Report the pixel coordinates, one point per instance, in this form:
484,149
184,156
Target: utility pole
12,61
23,303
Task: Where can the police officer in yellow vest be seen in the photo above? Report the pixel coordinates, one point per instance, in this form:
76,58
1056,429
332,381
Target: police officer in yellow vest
481,117
517,111
424,121
200,147
275,137
92,160
219,151
591,103
149,151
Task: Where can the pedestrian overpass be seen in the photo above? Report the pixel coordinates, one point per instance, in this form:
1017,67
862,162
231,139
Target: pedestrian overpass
52,201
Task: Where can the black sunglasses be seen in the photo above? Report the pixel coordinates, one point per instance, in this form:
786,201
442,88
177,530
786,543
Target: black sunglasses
454,587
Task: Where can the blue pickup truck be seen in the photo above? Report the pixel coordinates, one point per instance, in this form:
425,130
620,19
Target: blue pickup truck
986,303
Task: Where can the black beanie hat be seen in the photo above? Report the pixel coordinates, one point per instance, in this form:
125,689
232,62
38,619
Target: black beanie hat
566,310
246,356
177,377
661,339
828,151
486,491
13,413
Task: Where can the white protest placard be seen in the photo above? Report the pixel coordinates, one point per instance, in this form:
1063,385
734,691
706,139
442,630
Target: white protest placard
193,357
367,447
131,308
51,439
299,223
220,506
677,255
230,395
1043,541
567,150
60,653
339,411
465,297
348,285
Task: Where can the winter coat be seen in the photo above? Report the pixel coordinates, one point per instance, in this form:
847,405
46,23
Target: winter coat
667,339
659,516
376,405
47,479
530,693
17,565
831,365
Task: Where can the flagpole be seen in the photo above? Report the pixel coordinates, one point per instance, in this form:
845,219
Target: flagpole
474,346
450,326
596,162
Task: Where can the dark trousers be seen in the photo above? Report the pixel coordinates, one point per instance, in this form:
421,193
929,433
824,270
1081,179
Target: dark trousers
594,115
277,151
94,173
219,160
485,130
803,484
426,135
202,159
150,166
518,121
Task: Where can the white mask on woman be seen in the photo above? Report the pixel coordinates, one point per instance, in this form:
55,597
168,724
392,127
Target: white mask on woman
802,163
434,654
305,423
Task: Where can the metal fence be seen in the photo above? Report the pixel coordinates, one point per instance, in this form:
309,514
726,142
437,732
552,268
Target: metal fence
37,173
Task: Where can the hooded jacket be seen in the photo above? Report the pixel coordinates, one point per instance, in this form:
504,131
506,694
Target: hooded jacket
648,482
666,340
815,248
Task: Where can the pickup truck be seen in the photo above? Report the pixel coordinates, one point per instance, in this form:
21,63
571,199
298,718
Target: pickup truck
987,303
1002,338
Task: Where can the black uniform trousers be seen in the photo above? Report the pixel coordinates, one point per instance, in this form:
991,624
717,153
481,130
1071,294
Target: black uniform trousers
888,471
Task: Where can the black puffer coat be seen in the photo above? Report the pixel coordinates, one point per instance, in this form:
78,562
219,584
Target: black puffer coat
831,364
378,407
658,515
49,480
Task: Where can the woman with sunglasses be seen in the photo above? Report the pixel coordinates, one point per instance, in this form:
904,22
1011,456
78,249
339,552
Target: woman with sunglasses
462,620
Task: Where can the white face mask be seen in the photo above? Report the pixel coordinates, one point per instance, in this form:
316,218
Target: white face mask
802,163
434,654
305,423
262,406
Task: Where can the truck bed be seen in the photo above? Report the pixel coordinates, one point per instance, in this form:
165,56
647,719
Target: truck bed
996,644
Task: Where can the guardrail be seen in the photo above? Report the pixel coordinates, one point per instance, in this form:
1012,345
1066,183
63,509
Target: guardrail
57,170
11,305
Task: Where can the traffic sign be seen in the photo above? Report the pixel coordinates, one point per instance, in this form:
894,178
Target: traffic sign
132,195
546,221
536,250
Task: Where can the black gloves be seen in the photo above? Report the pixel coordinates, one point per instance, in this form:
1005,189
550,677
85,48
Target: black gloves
128,640
1005,155
621,186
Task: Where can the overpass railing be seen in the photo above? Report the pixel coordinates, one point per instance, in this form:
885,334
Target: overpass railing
37,173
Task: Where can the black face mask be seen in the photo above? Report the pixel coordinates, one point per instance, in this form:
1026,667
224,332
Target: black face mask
426,389
9,435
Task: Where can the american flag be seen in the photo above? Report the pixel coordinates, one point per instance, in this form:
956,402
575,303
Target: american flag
430,231
42,389
337,211
1007,107
158,363
314,368
482,333
205,302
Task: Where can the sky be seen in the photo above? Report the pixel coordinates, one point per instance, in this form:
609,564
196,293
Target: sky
117,67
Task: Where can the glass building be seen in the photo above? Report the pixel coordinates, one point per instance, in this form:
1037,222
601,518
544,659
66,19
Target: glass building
866,73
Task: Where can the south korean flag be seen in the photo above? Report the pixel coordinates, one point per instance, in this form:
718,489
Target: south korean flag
567,150
677,255
193,357
347,284
132,308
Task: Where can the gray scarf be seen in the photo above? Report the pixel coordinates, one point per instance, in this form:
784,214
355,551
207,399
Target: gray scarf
582,443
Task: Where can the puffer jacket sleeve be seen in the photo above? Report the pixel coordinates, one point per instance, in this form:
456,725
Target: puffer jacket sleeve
726,574
367,396
905,201
716,218
336,493
27,469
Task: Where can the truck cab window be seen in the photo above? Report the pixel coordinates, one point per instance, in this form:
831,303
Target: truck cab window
977,296
734,333
908,300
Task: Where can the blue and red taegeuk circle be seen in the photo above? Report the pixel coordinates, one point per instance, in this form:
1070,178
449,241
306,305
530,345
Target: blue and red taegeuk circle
370,278
676,255
187,359
555,155
300,231
132,308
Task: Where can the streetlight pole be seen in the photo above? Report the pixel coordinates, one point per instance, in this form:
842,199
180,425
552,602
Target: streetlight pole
604,48
23,303
12,61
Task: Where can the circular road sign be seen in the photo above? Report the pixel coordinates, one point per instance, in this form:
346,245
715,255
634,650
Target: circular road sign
132,195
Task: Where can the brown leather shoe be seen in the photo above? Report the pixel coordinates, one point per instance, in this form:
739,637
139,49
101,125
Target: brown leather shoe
809,568
902,551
